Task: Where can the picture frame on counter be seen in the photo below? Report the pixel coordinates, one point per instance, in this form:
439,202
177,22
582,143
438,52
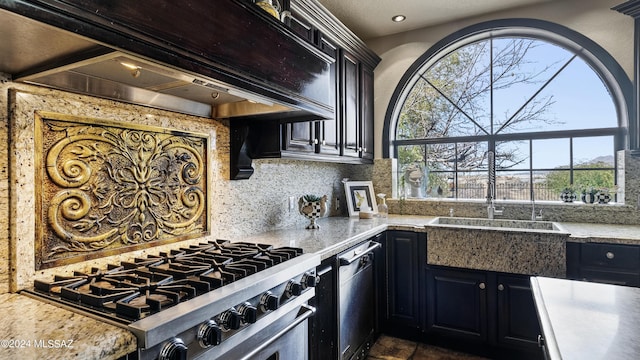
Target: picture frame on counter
360,196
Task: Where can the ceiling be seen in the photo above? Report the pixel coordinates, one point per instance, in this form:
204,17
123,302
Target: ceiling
374,20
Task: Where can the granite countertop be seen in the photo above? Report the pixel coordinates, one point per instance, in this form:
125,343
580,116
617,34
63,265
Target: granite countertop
583,320
337,234
33,320
36,330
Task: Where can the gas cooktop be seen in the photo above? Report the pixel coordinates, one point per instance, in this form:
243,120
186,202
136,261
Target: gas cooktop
133,290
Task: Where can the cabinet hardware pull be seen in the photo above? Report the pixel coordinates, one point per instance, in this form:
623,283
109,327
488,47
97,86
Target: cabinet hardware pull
346,261
610,255
500,287
482,286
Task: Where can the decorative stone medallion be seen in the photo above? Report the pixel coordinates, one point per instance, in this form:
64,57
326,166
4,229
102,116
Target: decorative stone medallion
104,188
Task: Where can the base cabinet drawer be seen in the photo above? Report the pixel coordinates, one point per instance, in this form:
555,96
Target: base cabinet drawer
607,263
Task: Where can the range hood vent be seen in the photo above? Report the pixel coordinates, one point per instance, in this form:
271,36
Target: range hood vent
115,75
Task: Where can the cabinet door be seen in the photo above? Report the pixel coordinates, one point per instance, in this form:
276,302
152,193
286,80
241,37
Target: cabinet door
299,136
328,130
366,112
323,329
457,303
518,324
301,27
350,106
403,276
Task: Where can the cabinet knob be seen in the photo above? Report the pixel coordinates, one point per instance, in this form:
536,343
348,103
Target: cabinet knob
610,255
500,287
482,286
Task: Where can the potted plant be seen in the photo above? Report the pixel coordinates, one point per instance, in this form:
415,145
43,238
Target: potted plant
312,207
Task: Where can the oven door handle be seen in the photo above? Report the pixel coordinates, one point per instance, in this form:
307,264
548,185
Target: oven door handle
308,312
348,261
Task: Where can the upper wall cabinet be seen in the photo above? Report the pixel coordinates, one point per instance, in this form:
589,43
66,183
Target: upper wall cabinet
347,137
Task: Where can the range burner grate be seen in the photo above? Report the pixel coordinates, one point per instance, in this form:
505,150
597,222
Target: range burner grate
135,289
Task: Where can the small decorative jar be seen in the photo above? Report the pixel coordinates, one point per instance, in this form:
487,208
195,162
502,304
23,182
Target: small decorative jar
603,196
568,195
312,207
588,196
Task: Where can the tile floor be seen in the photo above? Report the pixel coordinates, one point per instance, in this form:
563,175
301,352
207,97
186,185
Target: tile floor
389,348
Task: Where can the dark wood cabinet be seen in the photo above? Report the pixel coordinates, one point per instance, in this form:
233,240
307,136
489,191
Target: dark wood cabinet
457,303
347,302
406,259
366,112
347,137
349,108
517,324
299,137
606,263
491,310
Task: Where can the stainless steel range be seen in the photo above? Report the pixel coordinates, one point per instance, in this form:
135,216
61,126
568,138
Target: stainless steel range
219,300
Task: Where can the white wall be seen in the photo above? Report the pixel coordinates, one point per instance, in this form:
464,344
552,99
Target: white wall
592,18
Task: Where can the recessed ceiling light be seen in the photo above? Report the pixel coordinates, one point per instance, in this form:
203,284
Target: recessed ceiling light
398,18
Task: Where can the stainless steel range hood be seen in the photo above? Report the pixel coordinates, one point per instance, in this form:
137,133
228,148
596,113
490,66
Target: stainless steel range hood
40,54
115,75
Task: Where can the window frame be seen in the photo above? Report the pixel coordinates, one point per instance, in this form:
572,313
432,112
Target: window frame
615,80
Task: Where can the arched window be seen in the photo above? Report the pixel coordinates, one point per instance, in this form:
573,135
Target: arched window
510,113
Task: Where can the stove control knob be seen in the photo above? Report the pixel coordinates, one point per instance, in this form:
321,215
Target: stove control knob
230,320
308,280
175,349
249,313
293,289
209,334
269,302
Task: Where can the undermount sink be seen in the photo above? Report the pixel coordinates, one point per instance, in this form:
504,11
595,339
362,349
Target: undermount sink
506,224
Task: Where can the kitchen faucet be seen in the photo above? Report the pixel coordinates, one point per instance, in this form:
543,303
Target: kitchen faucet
492,211
534,217
491,187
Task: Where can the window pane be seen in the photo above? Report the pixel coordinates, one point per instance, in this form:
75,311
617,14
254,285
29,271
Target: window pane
408,154
441,185
550,153
594,179
428,114
554,182
472,156
521,68
592,150
441,157
472,185
512,185
512,155
463,76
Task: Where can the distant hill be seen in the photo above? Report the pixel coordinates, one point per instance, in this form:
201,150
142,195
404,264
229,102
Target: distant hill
609,160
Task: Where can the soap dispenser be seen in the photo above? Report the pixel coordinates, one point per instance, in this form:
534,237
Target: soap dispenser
383,209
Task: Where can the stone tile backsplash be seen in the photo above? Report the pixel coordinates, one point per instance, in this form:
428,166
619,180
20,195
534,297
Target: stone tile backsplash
241,207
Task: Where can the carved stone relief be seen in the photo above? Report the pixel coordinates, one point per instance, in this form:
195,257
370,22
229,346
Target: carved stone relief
104,188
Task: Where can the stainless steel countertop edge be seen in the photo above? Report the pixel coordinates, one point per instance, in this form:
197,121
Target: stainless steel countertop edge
552,349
